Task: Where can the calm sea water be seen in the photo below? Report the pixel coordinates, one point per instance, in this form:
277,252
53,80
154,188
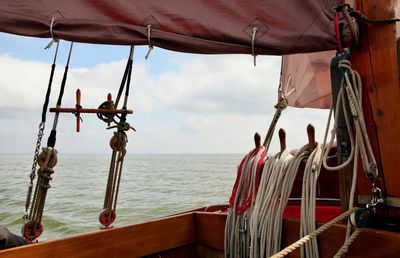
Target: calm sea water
151,186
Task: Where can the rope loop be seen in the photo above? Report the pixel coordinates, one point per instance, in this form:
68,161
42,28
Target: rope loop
148,41
253,39
53,37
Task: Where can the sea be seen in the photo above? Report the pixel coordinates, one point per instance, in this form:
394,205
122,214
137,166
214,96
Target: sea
152,186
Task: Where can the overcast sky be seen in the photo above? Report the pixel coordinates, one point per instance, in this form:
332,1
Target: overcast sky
182,103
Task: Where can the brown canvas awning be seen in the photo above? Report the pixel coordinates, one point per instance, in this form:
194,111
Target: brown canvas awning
197,26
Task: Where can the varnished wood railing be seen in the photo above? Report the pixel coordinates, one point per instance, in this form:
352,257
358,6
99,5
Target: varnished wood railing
191,229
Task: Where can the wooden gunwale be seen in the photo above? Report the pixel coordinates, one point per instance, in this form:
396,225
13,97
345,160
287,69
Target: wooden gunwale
202,228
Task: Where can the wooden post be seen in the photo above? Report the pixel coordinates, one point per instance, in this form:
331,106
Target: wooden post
376,61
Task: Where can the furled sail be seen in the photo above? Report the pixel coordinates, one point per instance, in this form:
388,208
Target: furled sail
305,79
273,27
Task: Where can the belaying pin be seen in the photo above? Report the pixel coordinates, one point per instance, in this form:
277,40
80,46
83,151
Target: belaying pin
78,107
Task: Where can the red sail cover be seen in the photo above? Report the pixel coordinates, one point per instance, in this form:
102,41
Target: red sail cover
197,26
306,81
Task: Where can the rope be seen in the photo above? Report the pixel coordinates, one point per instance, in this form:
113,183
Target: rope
345,247
313,234
253,39
276,183
33,227
280,106
352,90
42,126
126,76
237,236
265,233
53,37
117,144
308,202
51,141
148,41
365,18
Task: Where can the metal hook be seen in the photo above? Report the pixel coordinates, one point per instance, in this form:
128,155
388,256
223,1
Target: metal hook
253,39
53,38
149,41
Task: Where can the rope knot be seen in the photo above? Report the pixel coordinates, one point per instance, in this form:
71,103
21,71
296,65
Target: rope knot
282,104
47,158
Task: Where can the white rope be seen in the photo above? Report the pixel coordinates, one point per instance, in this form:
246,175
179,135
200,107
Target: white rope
237,236
350,88
253,39
315,233
53,37
266,221
345,247
308,202
353,91
148,41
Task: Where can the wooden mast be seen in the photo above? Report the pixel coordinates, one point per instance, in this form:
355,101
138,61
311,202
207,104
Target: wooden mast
376,61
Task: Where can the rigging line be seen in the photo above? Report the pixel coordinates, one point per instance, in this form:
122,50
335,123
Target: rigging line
128,84
51,141
315,233
40,135
46,102
365,18
127,73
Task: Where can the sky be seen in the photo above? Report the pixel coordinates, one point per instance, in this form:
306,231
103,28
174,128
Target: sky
182,103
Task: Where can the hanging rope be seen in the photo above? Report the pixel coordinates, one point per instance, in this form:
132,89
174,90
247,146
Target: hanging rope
308,202
351,90
47,160
275,186
117,144
148,41
51,141
237,236
42,126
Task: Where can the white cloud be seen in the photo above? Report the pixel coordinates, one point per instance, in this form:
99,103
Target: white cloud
202,104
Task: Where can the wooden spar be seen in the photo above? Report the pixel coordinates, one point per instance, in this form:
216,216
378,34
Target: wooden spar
91,110
78,106
376,61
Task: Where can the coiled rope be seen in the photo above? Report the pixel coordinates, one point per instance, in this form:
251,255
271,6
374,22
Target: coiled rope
237,236
350,88
308,202
263,224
